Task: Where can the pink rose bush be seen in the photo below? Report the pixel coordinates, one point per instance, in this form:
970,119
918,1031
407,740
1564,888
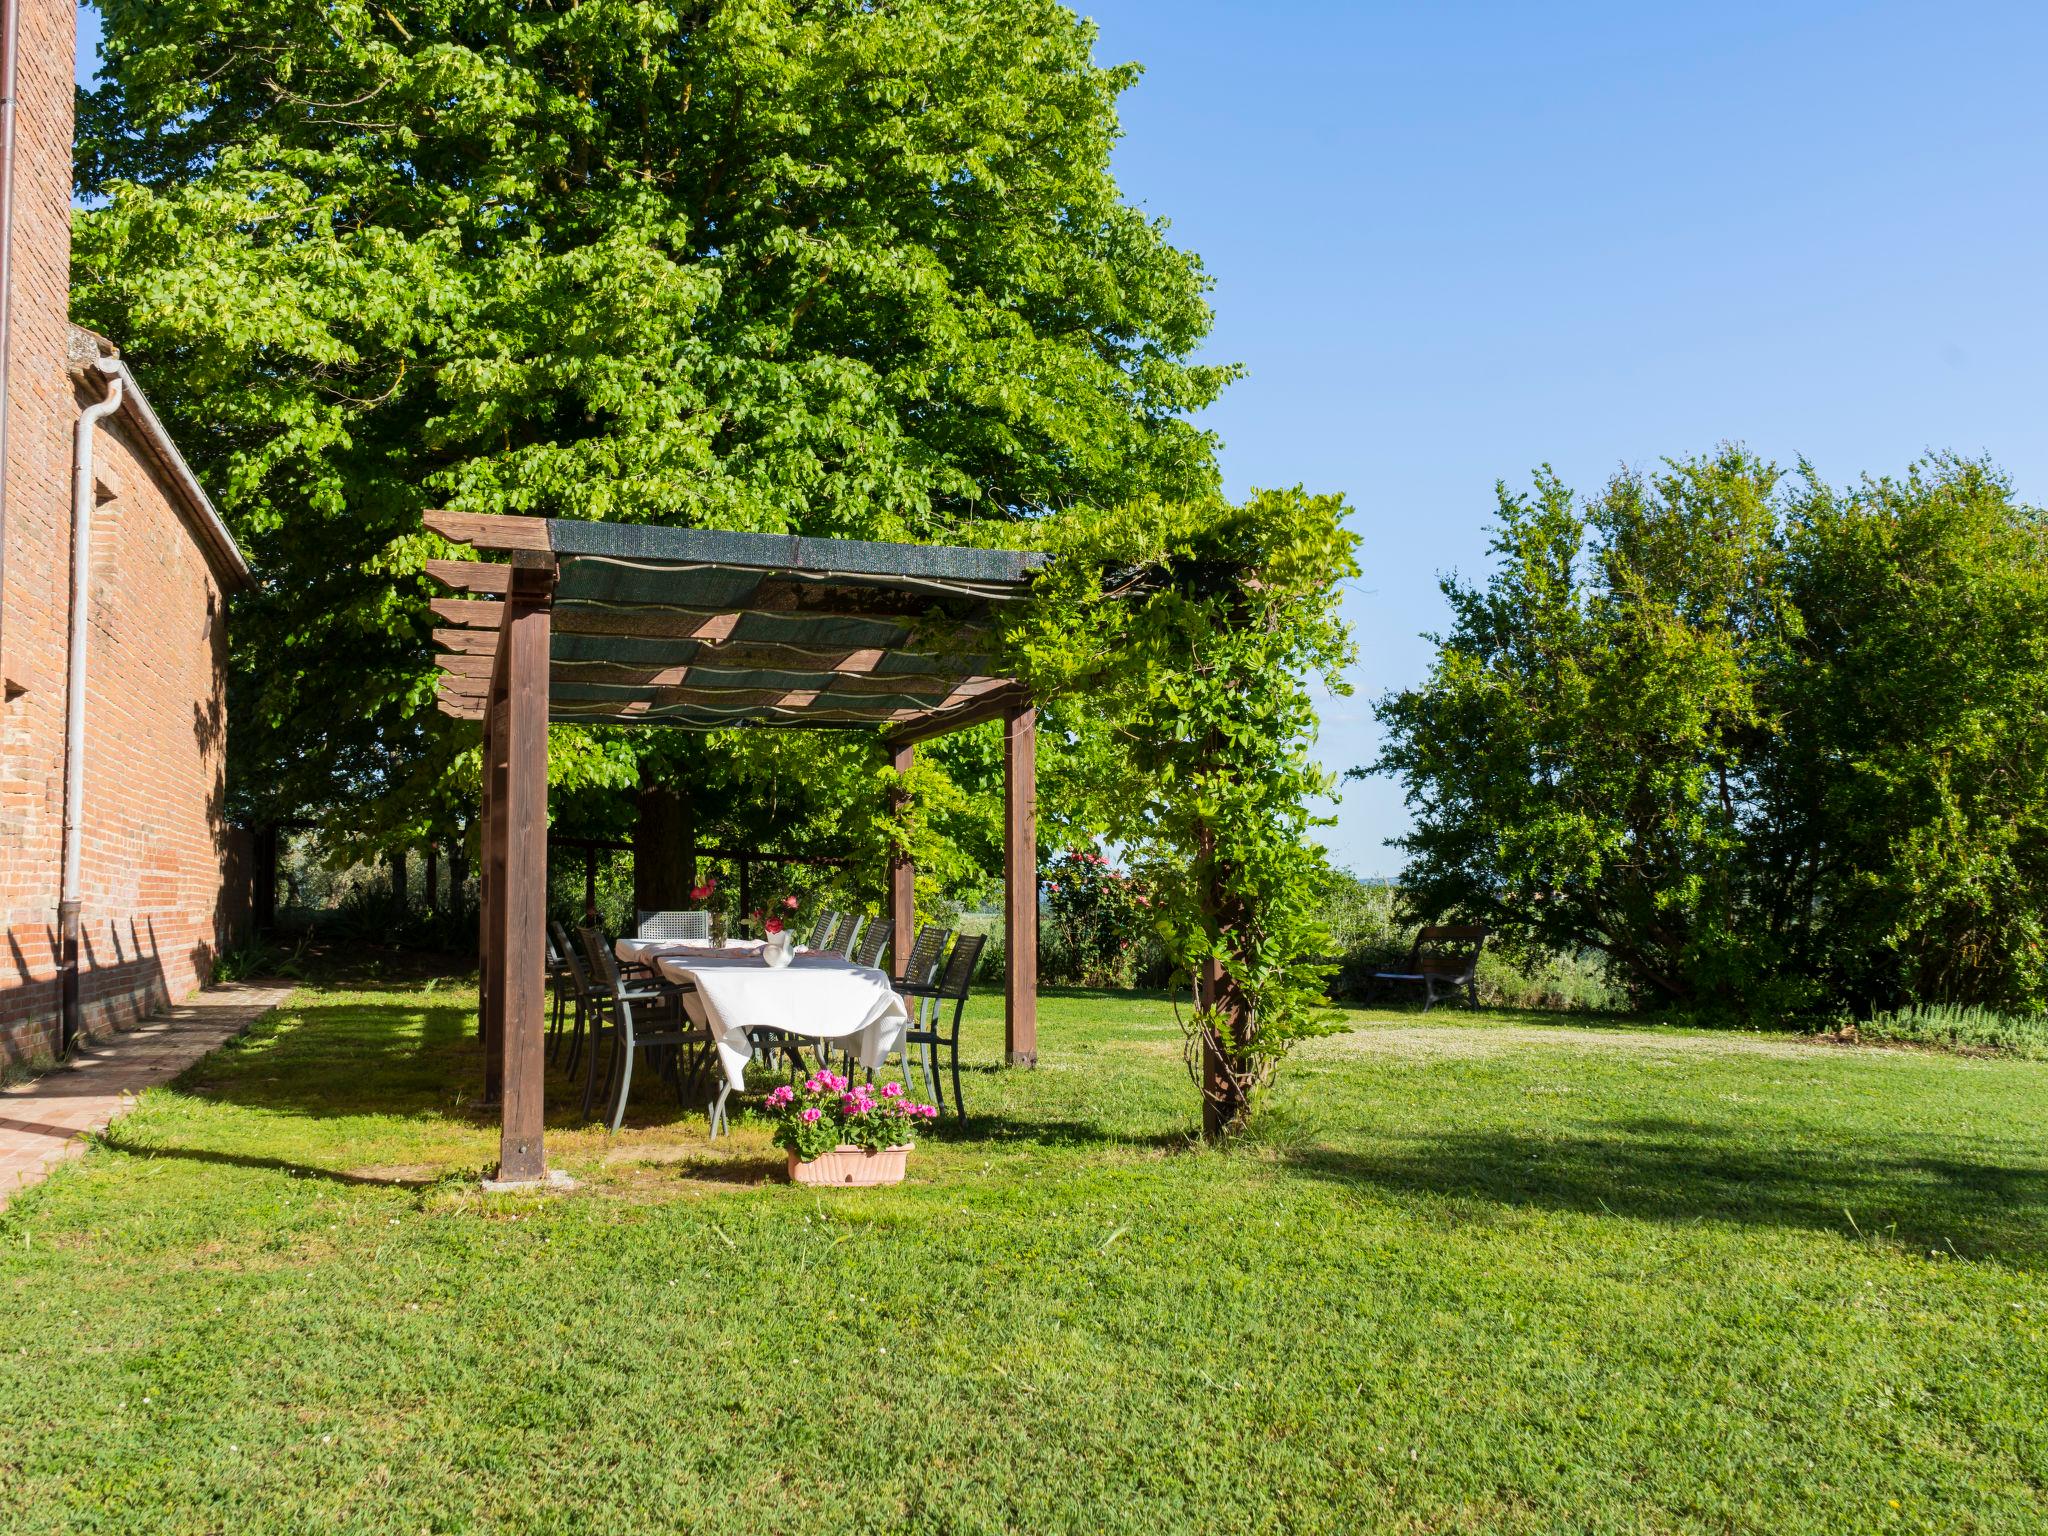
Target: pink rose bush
1094,917
826,1111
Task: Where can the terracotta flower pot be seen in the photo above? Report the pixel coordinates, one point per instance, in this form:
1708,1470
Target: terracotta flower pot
851,1166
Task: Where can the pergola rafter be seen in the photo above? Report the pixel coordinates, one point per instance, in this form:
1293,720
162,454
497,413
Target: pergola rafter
610,623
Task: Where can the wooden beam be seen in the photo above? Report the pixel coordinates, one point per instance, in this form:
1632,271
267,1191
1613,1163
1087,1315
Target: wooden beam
465,685
902,879
1020,886
469,612
715,685
520,978
771,656
995,705
801,599
488,530
787,594
654,621
467,642
471,576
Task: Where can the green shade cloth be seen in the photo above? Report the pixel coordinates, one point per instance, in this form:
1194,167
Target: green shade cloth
706,630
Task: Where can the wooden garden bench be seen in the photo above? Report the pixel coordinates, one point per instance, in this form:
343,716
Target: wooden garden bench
1443,959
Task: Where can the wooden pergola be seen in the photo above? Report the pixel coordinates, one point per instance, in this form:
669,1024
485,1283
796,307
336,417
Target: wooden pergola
627,624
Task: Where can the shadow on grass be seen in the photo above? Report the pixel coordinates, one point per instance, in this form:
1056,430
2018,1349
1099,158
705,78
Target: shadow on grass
980,1126
114,1140
1920,1195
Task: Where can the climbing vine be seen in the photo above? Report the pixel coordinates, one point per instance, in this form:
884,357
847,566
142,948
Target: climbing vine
1176,645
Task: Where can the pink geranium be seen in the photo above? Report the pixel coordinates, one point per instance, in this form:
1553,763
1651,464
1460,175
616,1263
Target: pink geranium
703,892
826,1110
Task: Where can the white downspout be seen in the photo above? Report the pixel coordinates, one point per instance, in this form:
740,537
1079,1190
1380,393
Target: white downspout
71,1024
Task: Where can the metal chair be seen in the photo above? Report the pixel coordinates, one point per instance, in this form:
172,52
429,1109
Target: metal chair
925,1030
687,927
874,942
822,930
843,936
689,1043
926,951
556,974
573,980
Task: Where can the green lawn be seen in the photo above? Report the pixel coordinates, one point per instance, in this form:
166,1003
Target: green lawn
1474,1274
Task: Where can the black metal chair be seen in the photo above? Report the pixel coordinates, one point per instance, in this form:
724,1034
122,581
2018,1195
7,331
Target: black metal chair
874,942
926,951
560,993
844,935
674,1045
687,927
925,1029
574,982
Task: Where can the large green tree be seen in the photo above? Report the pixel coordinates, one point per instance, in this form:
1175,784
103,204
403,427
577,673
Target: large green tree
1764,744
841,268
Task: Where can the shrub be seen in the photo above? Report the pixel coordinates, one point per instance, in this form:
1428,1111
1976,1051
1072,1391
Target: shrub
1956,1027
259,957
1094,918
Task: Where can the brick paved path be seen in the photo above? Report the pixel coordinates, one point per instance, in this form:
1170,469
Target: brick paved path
42,1121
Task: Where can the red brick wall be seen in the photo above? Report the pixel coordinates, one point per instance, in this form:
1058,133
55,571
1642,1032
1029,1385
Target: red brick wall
155,844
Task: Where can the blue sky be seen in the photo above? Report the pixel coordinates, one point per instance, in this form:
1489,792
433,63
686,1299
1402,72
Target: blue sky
1454,241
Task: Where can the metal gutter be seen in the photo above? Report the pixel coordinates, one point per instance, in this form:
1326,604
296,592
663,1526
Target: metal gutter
72,1023
92,352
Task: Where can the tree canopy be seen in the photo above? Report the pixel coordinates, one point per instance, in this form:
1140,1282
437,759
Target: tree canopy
841,269
1765,744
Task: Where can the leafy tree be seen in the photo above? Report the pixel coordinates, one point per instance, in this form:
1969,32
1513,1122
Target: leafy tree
1764,745
1575,759
1193,632
1905,858
838,268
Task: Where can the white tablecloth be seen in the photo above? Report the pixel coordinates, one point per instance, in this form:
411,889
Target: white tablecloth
643,951
820,997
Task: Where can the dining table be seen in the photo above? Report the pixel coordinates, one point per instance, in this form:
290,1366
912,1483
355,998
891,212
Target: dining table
734,993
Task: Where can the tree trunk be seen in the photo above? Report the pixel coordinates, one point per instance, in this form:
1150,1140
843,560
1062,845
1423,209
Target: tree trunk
664,849
458,871
432,858
1226,1099
398,881
263,916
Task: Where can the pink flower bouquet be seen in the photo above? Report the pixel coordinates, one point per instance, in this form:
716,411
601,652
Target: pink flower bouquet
825,1111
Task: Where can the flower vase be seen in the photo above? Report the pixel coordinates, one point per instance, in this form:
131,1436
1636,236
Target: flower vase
778,951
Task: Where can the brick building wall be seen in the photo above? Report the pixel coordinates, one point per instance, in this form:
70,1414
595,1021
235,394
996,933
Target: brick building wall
156,904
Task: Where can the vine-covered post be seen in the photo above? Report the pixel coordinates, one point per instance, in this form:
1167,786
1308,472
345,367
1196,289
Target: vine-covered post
1188,636
1020,886
1223,1012
902,875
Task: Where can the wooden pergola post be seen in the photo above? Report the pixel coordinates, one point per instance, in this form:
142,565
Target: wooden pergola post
519,826
902,880
491,870
1020,886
